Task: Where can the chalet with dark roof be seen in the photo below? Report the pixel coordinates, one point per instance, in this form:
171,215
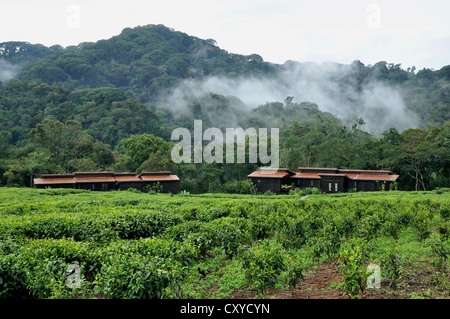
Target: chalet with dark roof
328,180
106,181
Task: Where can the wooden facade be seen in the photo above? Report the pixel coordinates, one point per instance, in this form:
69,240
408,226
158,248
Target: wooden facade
328,180
107,181
268,179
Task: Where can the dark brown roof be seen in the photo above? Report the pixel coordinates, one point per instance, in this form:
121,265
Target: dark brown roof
154,173
306,175
363,171
317,172
94,179
332,174
373,177
272,172
318,168
103,177
155,178
93,174
125,174
268,174
57,180
126,177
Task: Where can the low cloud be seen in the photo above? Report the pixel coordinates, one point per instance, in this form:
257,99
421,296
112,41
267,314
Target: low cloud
8,70
333,87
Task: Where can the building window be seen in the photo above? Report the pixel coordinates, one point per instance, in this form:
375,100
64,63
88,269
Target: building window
329,187
335,187
311,183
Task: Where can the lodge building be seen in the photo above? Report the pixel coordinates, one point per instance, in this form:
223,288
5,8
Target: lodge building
106,181
328,180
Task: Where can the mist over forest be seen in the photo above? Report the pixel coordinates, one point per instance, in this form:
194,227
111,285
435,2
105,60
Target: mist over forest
331,86
138,86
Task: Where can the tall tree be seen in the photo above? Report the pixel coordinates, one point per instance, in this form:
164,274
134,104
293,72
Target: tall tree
416,152
142,150
67,145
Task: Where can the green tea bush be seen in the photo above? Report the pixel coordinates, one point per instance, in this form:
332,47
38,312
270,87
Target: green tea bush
228,233
133,276
38,268
440,248
263,264
13,278
184,253
268,263
444,211
392,264
102,226
421,223
352,262
328,242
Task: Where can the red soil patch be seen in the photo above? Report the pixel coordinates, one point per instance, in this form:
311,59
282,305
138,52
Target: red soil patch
320,282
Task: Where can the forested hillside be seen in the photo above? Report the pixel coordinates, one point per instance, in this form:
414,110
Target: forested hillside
83,107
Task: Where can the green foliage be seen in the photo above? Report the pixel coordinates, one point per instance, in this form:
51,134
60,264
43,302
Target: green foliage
305,191
263,264
130,245
239,187
440,248
393,264
37,268
268,263
139,149
445,211
421,223
328,242
143,275
66,143
353,265
155,188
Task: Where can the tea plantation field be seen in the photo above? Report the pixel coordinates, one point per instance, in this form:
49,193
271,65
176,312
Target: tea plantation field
79,244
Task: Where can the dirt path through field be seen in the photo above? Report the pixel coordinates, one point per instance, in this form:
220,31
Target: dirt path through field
319,283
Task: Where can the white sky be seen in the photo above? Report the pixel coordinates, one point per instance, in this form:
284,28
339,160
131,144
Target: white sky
397,31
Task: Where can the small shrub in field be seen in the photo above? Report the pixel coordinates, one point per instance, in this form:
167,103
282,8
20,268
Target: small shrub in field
183,193
305,191
293,271
392,264
267,262
13,278
352,264
328,242
133,190
421,224
444,211
440,248
138,277
444,229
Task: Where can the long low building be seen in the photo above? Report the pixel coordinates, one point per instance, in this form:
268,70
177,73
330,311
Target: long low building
106,181
329,180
